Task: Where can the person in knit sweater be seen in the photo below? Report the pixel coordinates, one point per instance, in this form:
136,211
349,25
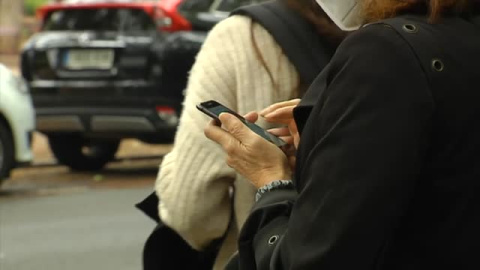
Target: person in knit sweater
241,66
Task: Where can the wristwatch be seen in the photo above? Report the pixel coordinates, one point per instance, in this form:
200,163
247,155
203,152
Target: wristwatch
277,184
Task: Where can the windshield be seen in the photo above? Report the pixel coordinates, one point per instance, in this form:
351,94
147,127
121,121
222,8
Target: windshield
99,19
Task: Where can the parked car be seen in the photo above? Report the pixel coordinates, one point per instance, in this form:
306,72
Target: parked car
101,71
17,122
187,23
196,15
95,76
204,14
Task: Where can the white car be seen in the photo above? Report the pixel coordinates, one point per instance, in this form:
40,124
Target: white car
17,122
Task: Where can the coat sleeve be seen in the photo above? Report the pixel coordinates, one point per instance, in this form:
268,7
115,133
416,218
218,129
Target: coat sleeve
361,153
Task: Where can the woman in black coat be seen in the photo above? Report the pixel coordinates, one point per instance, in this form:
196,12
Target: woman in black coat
388,166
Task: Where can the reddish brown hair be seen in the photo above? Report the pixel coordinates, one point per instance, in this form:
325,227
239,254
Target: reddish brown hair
375,10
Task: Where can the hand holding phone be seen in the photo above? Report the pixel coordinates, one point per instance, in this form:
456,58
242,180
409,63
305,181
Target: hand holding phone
213,109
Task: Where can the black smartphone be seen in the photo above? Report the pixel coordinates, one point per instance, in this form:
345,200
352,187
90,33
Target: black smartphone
214,109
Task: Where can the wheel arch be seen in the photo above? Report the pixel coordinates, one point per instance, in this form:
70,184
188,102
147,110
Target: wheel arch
9,149
4,120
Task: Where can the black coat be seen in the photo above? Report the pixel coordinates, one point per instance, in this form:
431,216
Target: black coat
388,168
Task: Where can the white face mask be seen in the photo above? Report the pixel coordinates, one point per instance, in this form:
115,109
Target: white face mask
344,13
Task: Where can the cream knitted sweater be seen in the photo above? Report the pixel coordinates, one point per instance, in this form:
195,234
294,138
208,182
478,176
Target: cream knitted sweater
194,181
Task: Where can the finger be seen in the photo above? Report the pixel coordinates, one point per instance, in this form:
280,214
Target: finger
235,127
287,139
275,106
296,140
289,150
292,160
280,115
292,126
283,131
251,117
217,134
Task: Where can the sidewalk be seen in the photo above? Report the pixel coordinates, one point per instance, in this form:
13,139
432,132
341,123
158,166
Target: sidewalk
11,61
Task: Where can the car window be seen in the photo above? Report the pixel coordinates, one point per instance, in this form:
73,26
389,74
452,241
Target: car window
229,5
100,19
196,5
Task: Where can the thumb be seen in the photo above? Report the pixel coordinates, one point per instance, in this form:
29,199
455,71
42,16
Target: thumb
234,125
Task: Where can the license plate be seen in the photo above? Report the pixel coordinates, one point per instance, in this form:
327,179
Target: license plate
89,59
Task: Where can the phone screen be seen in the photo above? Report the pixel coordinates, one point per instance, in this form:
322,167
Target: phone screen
214,109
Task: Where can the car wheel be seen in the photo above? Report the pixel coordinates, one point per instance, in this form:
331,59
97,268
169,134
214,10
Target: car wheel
7,155
82,154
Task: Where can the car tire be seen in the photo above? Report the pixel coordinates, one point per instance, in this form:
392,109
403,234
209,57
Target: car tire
7,151
82,154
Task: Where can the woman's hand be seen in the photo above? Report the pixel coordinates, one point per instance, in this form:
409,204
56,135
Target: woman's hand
249,154
282,113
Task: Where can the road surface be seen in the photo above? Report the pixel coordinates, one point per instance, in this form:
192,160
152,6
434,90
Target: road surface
54,219
98,229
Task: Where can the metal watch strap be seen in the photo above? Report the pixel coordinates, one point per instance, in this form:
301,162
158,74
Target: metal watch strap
277,184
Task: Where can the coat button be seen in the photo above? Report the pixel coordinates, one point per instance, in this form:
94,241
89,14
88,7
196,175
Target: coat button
437,65
410,28
273,239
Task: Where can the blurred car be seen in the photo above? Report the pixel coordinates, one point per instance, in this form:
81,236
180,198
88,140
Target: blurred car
94,71
169,17
187,23
17,122
204,14
196,15
102,71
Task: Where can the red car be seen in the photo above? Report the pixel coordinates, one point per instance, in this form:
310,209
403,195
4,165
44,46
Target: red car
196,15
170,18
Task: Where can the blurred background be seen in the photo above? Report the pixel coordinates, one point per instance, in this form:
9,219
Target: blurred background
54,218
90,97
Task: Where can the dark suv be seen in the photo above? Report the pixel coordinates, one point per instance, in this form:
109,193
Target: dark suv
103,71
95,75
